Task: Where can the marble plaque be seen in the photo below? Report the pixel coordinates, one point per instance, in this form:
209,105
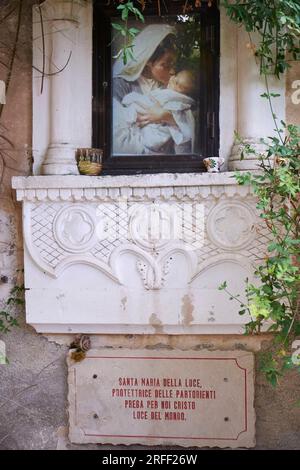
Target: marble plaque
159,397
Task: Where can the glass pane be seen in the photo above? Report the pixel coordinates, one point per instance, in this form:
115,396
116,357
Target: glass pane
156,93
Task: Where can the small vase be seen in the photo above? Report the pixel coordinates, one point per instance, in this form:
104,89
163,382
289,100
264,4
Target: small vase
213,164
89,161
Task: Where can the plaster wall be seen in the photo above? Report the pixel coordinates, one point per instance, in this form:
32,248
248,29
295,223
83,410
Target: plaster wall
33,386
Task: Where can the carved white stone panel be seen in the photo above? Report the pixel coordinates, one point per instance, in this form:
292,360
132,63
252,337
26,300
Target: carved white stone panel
115,255
231,225
74,228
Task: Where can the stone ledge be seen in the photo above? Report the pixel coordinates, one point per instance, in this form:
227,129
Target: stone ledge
188,186
132,181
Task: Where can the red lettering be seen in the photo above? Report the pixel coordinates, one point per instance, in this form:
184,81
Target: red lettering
163,393
155,415
140,415
152,404
134,404
193,383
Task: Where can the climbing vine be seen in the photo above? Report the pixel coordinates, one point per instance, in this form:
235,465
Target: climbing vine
273,27
10,307
273,303
274,31
275,22
277,25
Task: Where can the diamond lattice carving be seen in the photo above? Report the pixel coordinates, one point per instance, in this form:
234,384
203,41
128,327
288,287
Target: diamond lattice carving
120,227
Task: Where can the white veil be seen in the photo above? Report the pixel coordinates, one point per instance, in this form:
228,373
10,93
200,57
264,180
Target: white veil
145,44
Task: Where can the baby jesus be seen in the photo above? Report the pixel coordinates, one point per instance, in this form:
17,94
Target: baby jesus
152,138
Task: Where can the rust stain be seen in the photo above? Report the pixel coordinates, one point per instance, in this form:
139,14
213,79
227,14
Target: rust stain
187,309
156,323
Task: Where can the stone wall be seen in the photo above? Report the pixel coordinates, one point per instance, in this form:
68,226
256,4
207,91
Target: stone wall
33,392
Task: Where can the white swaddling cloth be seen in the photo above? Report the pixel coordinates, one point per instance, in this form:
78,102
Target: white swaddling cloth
153,137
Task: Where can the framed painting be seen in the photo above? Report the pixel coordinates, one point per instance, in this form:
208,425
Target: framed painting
156,103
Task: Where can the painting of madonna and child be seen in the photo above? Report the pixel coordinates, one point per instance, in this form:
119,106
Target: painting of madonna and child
155,101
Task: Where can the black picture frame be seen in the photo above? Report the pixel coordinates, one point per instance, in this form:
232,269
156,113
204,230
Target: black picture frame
208,128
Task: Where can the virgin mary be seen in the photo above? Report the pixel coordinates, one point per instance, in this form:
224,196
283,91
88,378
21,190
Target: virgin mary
151,68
